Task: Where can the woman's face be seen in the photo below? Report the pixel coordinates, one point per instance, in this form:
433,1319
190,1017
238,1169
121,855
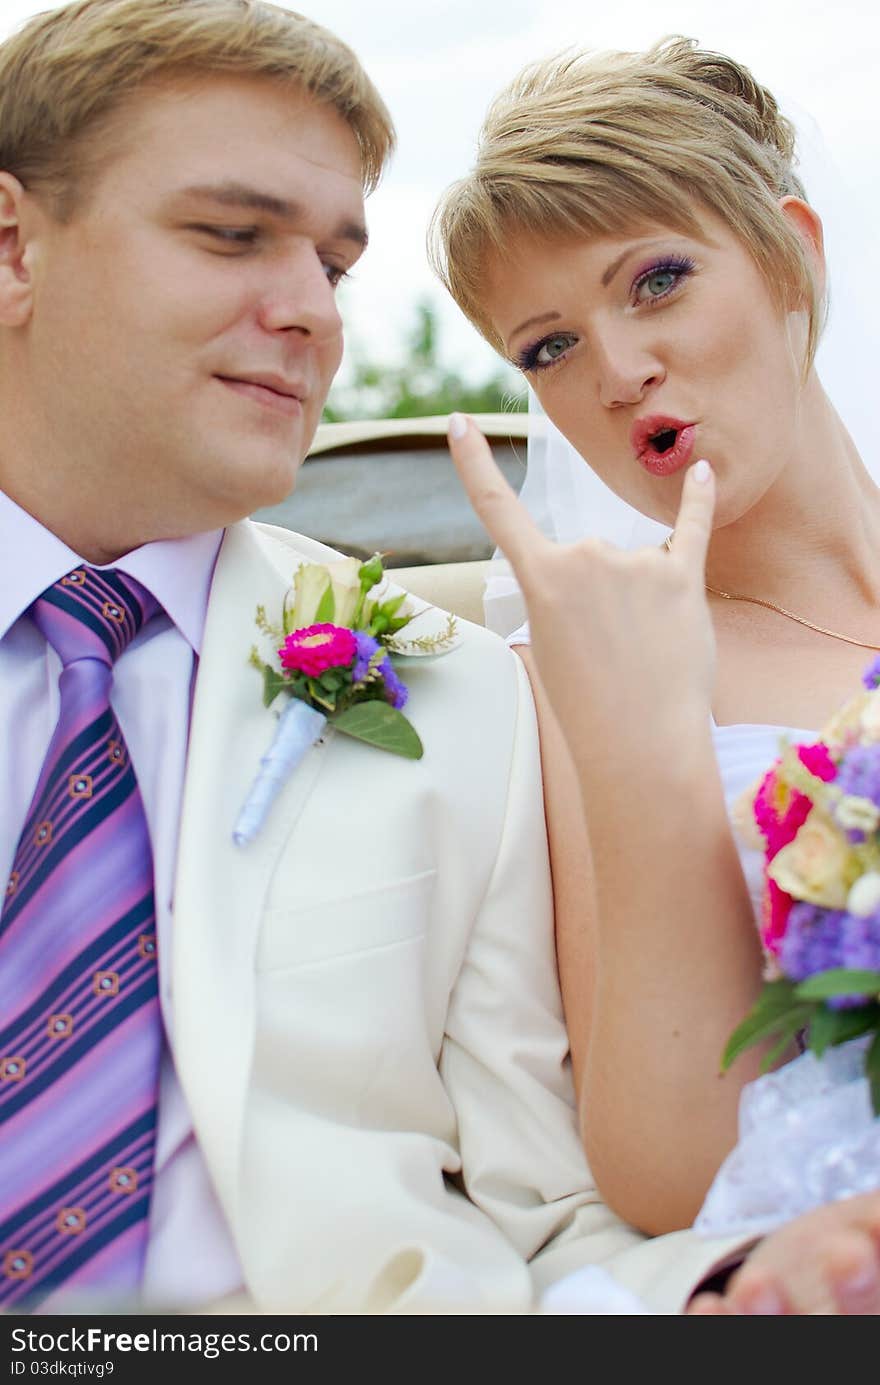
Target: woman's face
652,349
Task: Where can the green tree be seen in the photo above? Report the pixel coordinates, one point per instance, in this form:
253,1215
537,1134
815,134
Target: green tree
421,385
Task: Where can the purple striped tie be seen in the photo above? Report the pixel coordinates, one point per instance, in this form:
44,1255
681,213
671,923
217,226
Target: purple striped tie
80,1029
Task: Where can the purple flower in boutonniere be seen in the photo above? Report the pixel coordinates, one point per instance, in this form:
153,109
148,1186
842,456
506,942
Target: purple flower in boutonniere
396,692
333,658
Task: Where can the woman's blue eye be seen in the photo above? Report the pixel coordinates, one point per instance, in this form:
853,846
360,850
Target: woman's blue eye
551,349
662,279
659,282
545,353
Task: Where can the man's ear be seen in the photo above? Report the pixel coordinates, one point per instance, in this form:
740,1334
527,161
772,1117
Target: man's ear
16,280
808,224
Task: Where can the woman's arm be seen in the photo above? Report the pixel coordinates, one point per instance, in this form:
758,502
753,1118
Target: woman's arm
658,961
671,962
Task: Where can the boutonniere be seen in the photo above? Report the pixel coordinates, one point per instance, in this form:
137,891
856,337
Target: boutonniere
335,652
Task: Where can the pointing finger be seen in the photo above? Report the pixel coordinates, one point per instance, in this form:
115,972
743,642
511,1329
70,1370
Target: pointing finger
693,527
495,502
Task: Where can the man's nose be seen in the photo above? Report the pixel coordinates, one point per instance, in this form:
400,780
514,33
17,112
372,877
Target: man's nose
299,297
628,368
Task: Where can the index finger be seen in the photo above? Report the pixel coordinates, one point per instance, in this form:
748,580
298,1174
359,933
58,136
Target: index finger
693,526
495,502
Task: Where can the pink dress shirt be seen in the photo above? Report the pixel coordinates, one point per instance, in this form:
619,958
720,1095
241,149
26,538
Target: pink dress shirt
191,1260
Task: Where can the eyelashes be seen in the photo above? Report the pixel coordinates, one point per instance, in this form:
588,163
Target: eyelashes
529,359
675,267
668,273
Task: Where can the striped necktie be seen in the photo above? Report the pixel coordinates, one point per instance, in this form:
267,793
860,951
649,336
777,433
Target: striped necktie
80,1028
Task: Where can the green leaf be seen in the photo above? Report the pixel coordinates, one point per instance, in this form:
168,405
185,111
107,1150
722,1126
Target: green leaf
326,608
775,997
383,726
872,1072
776,1010
273,684
390,607
332,679
791,1023
775,1053
839,981
831,1027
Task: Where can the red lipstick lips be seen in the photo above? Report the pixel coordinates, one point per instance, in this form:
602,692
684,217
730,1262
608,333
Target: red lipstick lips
662,444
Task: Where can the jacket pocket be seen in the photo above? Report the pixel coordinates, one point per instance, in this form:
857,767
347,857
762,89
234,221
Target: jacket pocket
291,937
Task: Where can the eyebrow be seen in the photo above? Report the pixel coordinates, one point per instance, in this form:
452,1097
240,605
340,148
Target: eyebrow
533,322
614,267
607,276
252,199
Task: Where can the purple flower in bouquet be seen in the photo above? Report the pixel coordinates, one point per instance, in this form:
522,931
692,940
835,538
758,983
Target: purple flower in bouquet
813,940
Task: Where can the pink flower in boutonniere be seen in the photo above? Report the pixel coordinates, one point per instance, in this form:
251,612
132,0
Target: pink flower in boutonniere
316,648
334,648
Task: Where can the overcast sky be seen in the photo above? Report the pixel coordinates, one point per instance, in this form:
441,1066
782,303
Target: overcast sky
437,65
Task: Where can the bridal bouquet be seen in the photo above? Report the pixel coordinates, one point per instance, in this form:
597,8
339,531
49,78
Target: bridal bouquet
809,1131
333,652
817,811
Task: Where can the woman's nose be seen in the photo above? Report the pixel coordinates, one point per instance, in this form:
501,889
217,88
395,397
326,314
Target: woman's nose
627,369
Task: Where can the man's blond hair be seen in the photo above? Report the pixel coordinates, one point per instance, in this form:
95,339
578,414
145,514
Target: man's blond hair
599,144
67,73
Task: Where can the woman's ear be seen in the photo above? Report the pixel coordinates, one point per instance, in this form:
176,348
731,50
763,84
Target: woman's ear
16,281
808,225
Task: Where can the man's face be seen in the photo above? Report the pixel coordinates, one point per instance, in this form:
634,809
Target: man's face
184,330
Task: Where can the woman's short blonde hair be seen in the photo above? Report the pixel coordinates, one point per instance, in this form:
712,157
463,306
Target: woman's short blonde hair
66,73
597,144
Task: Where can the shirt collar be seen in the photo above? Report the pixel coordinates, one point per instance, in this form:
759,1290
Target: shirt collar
178,572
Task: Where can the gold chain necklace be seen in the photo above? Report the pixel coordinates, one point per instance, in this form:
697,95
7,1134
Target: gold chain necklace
781,610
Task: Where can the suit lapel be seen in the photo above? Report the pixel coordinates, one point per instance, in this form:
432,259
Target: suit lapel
220,888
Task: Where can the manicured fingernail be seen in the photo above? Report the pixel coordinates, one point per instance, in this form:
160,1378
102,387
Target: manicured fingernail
457,426
702,470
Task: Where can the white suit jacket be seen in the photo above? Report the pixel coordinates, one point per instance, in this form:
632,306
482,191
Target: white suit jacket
367,1022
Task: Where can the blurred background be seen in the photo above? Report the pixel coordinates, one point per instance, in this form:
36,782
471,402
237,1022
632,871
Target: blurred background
409,351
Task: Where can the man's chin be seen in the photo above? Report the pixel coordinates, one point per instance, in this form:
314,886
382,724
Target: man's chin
275,485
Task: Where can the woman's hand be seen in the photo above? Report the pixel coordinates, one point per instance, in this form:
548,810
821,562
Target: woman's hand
823,1262
669,960
619,638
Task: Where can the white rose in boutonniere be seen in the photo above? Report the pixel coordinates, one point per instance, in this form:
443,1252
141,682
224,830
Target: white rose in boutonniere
335,648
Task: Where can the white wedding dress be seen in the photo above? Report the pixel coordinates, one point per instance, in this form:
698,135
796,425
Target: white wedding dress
807,1133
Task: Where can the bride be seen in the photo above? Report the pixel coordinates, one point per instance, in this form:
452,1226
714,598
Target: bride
634,238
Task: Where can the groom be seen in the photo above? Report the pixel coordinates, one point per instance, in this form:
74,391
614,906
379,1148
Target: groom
344,1087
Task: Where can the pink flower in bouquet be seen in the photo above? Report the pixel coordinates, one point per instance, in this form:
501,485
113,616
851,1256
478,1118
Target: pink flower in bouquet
316,648
817,759
774,921
780,810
